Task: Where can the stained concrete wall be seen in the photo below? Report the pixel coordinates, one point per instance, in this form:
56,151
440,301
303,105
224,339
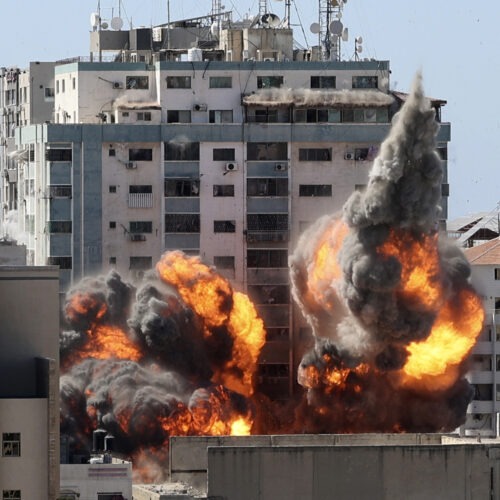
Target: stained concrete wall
353,472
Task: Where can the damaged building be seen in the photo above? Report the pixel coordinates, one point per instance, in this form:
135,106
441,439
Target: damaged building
216,137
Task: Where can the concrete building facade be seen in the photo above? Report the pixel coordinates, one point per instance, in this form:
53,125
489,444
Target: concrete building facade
29,382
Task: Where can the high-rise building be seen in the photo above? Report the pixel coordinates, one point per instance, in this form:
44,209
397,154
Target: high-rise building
217,138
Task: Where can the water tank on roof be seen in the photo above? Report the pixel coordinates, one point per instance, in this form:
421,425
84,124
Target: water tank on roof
195,54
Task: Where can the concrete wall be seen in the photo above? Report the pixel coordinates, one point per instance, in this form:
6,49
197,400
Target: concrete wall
344,472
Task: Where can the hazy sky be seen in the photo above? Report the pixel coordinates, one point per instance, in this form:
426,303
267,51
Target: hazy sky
452,41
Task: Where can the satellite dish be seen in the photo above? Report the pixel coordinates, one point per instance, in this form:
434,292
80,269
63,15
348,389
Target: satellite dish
336,27
117,23
104,25
359,39
359,49
315,27
94,19
339,14
345,34
214,30
270,20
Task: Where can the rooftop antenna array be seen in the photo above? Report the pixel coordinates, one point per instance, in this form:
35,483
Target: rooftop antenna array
330,29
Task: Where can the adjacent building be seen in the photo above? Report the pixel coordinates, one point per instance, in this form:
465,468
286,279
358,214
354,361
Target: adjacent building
216,138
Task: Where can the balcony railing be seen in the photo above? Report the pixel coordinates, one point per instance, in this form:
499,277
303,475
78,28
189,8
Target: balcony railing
140,200
267,236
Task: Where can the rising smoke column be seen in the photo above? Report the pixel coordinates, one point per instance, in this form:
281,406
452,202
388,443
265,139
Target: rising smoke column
388,299
147,363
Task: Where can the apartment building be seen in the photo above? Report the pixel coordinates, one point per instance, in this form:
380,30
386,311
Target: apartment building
225,144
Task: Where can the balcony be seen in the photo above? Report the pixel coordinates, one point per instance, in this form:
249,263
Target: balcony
140,200
267,236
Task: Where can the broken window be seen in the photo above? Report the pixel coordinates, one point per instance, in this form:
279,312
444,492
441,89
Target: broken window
224,261
315,154
182,223
223,189
59,226
223,154
269,294
272,186
365,82
267,151
267,258
178,116
140,154
178,82
141,226
220,82
11,444
182,187
224,226
182,151
62,262
137,82
323,82
315,190
268,82
220,116
267,222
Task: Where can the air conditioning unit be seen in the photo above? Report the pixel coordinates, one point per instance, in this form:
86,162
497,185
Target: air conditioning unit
137,237
231,166
269,59
349,155
281,166
130,165
117,85
200,107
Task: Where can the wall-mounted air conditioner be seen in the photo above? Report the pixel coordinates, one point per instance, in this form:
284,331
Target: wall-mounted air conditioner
137,237
117,85
281,166
349,155
231,166
200,107
130,165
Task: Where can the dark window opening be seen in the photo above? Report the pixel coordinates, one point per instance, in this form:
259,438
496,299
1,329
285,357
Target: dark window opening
267,222
62,262
257,151
323,82
267,82
269,294
315,190
183,151
223,189
141,226
182,223
140,188
224,226
315,154
181,187
56,154
137,82
267,258
224,261
140,154
178,82
223,154
365,82
272,186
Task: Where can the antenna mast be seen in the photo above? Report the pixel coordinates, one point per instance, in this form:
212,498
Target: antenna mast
331,29
262,8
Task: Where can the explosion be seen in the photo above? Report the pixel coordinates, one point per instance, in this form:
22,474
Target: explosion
387,297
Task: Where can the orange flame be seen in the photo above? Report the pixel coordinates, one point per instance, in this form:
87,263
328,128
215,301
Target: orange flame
79,304
434,362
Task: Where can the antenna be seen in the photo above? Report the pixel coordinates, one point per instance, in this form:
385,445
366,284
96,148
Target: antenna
117,23
331,29
358,48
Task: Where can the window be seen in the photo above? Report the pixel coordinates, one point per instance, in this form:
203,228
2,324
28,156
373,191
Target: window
442,152
315,190
497,273
59,226
140,154
112,152
315,154
11,444
112,224
323,82
141,226
144,116
220,82
137,82
112,260
223,189
141,263
63,86
182,223
58,154
112,189
182,151
320,115
361,154
178,82
267,82
224,226
220,116
178,116
272,186
365,82
62,262
11,495
359,187
267,151
483,392
74,83
267,258
182,187
277,334
140,188
445,190
223,154
224,262
57,87
267,222
274,370
49,92
269,294
60,191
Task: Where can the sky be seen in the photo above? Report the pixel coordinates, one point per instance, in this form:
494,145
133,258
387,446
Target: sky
451,41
